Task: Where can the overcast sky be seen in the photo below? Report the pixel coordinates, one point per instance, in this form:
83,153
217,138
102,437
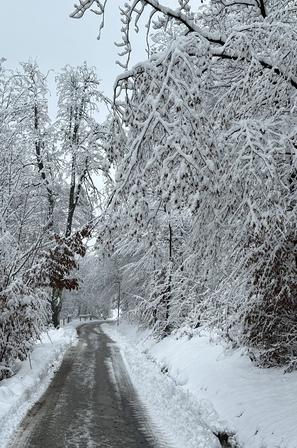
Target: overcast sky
43,30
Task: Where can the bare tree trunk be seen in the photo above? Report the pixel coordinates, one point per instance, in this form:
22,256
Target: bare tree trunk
262,8
71,202
167,329
39,146
56,306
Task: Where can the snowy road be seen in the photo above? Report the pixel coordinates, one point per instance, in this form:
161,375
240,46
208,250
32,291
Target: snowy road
90,403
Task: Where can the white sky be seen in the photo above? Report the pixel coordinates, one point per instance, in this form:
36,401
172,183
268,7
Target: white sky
43,31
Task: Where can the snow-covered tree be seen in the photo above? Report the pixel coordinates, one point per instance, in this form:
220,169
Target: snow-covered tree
82,152
95,294
24,217
209,119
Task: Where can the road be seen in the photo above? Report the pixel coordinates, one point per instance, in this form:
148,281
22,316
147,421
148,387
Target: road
90,403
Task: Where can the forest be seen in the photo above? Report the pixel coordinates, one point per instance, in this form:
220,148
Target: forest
181,206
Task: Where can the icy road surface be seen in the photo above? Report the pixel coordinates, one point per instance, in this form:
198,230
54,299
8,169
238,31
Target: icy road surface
90,403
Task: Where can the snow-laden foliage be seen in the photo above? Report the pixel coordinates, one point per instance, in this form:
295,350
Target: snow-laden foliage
24,314
210,132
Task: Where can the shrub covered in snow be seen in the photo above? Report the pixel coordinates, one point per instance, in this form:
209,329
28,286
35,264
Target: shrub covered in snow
23,316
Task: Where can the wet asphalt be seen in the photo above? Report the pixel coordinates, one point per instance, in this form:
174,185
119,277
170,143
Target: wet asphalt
90,403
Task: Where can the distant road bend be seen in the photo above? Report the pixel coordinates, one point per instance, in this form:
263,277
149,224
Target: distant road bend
90,403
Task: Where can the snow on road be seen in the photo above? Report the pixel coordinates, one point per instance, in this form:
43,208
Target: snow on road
186,422
19,393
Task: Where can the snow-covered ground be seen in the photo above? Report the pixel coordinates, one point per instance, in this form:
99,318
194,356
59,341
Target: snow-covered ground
19,393
184,421
205,385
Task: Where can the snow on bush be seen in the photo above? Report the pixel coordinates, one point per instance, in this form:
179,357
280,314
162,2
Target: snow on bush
23,316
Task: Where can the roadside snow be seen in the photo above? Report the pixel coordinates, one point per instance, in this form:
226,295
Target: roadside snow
19,393
259,404
182,419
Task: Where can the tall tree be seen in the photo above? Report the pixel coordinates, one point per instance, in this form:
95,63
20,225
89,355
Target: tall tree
82,150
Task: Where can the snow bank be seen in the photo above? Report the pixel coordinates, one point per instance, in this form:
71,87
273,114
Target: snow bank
184,421
259,404
19,393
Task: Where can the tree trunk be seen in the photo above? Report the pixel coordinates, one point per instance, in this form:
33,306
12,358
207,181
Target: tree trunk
167,329
39,146
56,305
